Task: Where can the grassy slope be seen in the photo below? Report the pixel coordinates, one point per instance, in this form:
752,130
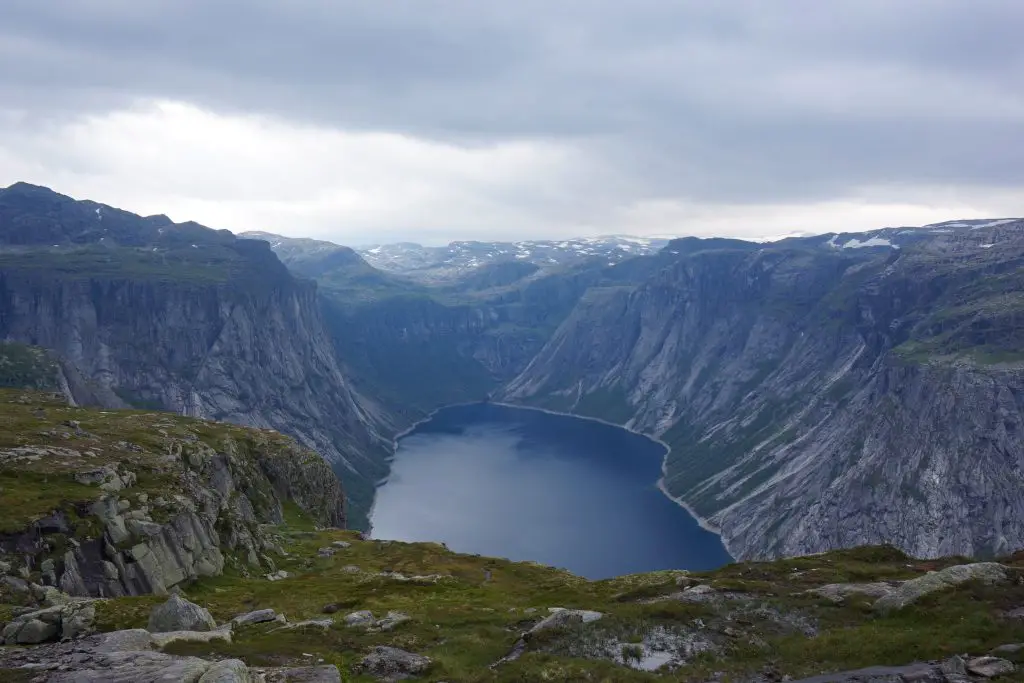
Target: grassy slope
466,622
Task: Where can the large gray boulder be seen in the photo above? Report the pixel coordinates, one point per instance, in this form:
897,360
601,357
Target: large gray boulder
391,664
178,614
915,589
227,671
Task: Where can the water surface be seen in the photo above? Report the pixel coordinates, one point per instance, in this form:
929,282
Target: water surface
529,485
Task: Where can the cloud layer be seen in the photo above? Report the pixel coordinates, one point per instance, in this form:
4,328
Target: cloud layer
450,119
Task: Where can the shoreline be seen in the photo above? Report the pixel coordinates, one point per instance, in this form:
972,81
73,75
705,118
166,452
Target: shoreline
701,521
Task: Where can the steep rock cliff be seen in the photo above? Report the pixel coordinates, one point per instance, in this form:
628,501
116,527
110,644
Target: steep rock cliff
815,396
182,318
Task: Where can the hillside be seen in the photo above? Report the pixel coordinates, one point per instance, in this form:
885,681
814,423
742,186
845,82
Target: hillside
819,393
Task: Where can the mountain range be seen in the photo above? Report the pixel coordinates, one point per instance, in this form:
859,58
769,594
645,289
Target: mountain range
816,392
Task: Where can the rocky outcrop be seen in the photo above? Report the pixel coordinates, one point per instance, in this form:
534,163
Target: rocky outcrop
815,396
193,499
130,657
911,591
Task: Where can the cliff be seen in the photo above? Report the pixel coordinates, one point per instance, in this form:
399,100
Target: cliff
181,318
814,396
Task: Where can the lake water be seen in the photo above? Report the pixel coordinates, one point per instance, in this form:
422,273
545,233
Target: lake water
529,485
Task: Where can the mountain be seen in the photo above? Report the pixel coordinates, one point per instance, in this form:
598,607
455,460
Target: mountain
821,392
183,318
415,345
453,262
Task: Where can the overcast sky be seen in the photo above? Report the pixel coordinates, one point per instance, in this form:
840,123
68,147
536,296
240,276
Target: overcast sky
433,120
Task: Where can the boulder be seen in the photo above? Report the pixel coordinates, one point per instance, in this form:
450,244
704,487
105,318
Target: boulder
361,618
258,617
392,620
178,614
1008,649
391,664
227,671
77,619
564,617
915,589
32,632
990,667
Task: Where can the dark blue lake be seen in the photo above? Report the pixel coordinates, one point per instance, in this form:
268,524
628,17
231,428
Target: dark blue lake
529,485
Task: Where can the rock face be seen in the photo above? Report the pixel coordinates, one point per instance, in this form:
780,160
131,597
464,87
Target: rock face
183,318
818,393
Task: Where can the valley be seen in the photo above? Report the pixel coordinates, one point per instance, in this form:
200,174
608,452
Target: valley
189,411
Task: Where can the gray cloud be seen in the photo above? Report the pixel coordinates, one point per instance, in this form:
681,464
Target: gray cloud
736,102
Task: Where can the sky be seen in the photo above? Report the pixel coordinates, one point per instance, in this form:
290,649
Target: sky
435,120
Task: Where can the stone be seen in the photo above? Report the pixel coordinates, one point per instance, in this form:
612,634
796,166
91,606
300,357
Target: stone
954,667
990,667
110,571
129,640
913,590
317,623
134,667
16,584
1008,649
392,664
227,671
392,620
165,638
351,569
699,593
77,620
837,592
258,617
326,552
34,631
178,614
561,617
331,608
361,618
341,544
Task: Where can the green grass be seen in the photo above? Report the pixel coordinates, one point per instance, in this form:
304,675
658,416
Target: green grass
464,622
